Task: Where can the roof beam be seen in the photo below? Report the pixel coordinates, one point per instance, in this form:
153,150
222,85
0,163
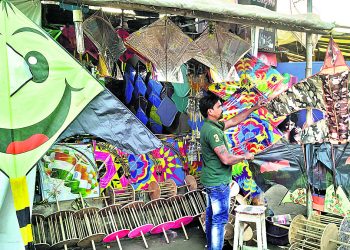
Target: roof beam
221,11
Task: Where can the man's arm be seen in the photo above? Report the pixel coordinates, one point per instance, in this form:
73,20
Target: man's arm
230,159
234,121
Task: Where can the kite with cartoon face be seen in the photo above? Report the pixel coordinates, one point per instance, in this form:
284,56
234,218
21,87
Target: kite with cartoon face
42,90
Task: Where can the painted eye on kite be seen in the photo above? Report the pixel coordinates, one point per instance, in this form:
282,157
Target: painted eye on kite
38,65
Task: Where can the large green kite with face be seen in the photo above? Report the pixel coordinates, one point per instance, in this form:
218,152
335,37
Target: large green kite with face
42,90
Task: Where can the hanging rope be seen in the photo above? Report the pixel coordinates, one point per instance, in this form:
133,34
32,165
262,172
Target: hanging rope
217,42
166,49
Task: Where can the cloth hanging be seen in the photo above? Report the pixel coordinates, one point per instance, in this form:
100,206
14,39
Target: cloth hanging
154,116
154,86
167,111
154,99
155,127
182,89
142,116
140,87
180,102
129,77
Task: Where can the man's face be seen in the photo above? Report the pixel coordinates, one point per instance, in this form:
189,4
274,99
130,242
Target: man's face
216,111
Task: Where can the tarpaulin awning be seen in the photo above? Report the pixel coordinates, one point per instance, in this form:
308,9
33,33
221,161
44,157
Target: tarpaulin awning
222,11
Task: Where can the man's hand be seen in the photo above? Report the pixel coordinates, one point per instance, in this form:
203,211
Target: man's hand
244,114
248,156
261,103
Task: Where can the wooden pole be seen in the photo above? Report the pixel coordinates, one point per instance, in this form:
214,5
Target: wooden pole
87,222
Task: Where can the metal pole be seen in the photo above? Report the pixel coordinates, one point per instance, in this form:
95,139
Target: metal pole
254,40
308,72
309,48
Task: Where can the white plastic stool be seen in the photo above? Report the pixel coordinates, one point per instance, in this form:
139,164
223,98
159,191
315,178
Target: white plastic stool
247,213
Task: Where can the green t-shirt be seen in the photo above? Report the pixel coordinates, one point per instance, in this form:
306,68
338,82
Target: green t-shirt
214,172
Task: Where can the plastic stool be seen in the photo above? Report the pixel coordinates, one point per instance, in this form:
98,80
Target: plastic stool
247,213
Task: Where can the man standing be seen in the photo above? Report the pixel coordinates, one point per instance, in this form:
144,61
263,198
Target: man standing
217,171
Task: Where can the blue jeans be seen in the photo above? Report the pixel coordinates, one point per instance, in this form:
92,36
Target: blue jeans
217,214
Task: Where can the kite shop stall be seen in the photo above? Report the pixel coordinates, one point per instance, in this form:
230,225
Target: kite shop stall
113,133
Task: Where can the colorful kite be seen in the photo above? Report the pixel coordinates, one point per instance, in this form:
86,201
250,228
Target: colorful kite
168,164
327,91
242,174
141,168
66,171
257,81
112,166
334,76
42,90
259,131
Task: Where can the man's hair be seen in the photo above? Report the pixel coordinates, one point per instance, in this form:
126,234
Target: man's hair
207,102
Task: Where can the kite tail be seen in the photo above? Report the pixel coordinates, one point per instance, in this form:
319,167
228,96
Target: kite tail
22,205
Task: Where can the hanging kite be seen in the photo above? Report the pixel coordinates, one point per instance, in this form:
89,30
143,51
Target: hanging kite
106,39
220,49
280,164
165,45
306,94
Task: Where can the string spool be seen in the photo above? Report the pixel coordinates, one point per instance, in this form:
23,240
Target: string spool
228,234
165,189
114,224
202,220
238,200
196,202
248,234
229,230
313,235
89,226
136,220
120,196
158,212
62,229
343,225
191,183
325,219
178,210
38,229
199,184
